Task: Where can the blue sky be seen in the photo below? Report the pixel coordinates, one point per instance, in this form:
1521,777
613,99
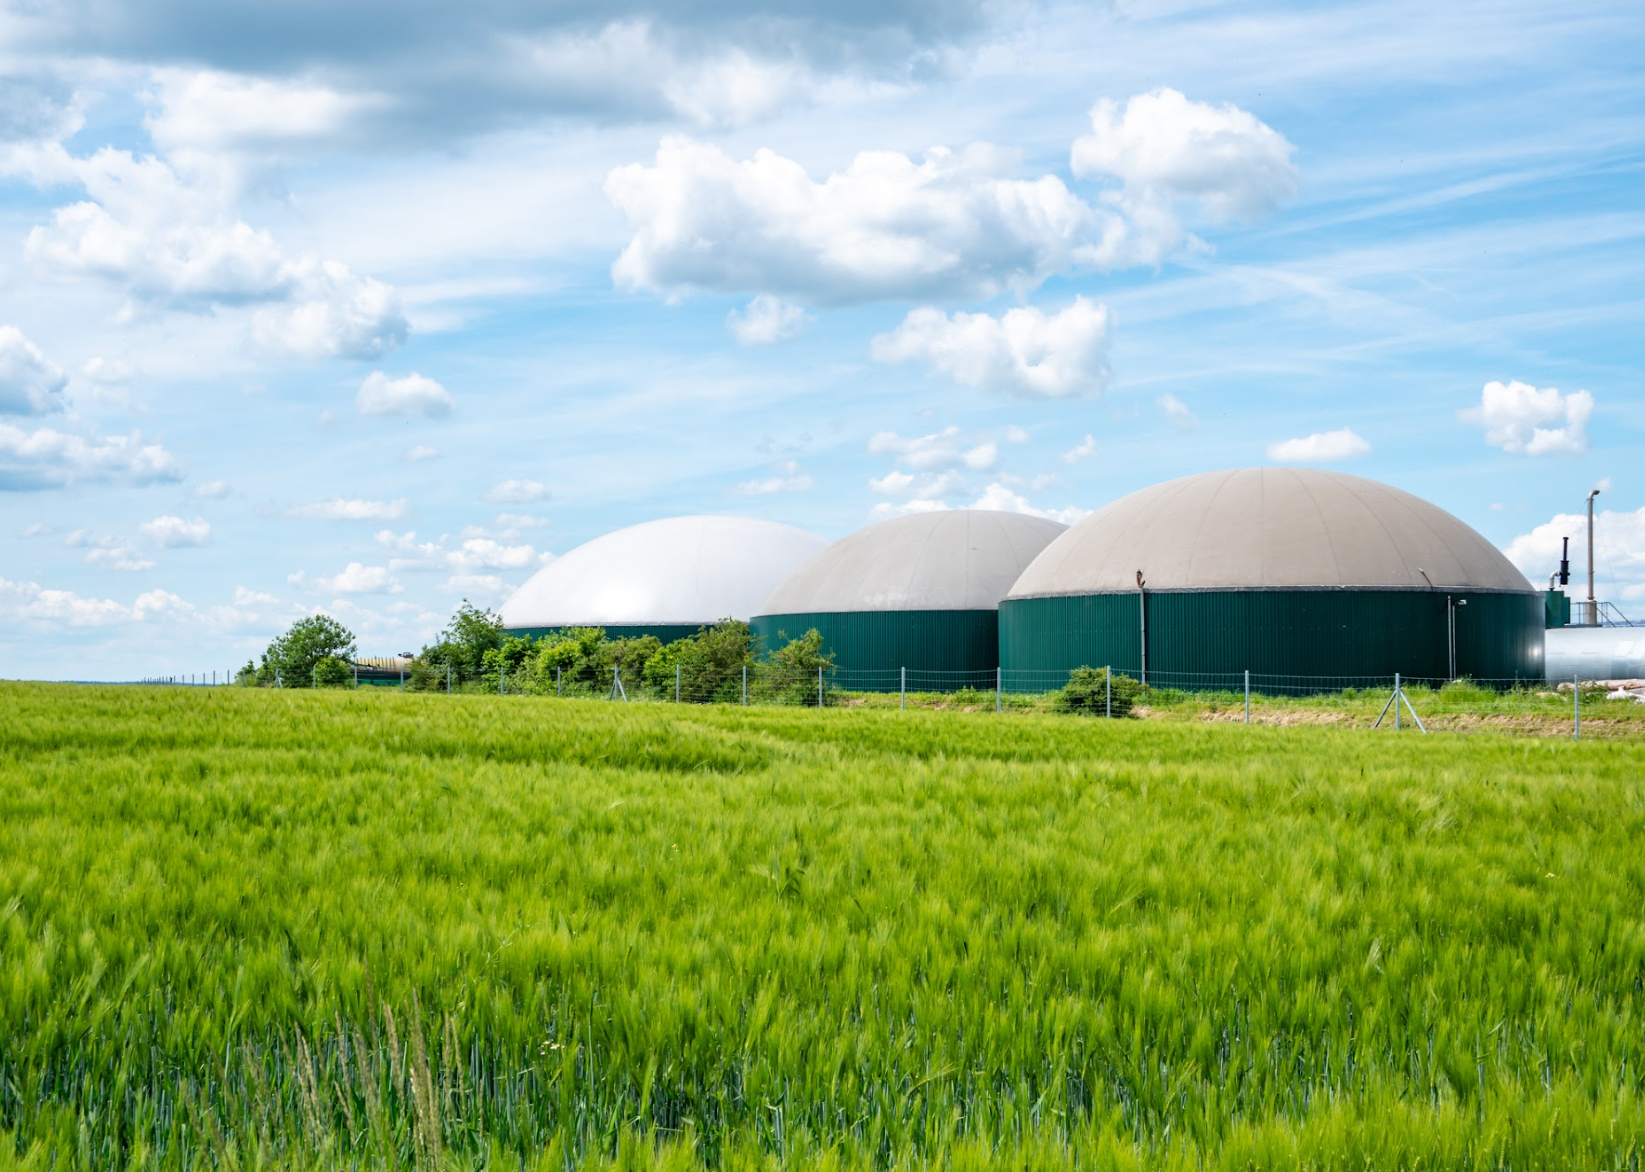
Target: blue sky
366,308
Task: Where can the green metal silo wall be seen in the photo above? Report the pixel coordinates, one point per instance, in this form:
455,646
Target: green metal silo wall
665,632
1218,635
943,650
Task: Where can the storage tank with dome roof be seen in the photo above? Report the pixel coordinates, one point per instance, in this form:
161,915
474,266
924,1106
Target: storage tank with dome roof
920,592
666,578
1279,571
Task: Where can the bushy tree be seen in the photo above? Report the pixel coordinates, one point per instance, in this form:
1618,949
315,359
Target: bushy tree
460,648
292,658
790,675
332,672
508,665
710,663
631,657
1086,693
574,658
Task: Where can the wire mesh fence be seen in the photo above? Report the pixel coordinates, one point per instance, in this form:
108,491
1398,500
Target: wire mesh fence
1577,708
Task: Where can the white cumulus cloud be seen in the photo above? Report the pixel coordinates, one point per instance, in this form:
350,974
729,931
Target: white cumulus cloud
422,452
52,459
886,226
947,448
411,395
927,486
1166,149
108,553
735,88
1323,447
517,492
31,602
1532,421
789,478
765,320
1002,499
475,552
352,509
213,111
30,384
481,588
171,239
354,578
1177,413
212,490
330,311
175,531
1024,351
1083,450
886,509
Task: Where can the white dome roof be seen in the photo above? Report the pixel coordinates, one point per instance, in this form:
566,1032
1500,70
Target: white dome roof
684,570
1268,527
961,559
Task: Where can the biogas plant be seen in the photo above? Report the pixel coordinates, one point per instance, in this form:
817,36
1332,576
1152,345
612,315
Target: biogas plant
1279,572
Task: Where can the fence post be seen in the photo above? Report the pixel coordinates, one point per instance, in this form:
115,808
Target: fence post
999,686
819,686
277,682
402,677
1247,696
559,677
1576,709
316,674
502,678
448,677
1396,701
745,685
1108,690
676,683
903,692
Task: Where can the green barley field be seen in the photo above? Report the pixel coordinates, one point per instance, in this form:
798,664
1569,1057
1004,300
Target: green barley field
270,929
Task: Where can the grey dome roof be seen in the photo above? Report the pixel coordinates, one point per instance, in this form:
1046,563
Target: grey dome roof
959,559
1268,527
684,570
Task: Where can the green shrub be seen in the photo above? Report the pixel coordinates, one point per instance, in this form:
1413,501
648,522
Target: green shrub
790,675
332,672
1086,693
710,664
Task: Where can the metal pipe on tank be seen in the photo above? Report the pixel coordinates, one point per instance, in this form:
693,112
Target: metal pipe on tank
1593,609
1142,611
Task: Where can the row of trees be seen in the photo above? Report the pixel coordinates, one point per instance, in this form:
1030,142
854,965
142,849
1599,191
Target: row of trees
706,667
475,653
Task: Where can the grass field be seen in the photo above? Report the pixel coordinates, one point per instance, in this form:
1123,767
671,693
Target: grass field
250,928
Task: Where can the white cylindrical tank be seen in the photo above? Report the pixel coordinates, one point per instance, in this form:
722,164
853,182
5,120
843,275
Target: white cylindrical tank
1596,653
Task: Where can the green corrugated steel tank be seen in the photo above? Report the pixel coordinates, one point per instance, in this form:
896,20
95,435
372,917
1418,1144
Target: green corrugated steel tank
919,592
1277,571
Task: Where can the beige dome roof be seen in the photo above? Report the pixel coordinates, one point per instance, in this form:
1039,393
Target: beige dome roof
1268,527
956,559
